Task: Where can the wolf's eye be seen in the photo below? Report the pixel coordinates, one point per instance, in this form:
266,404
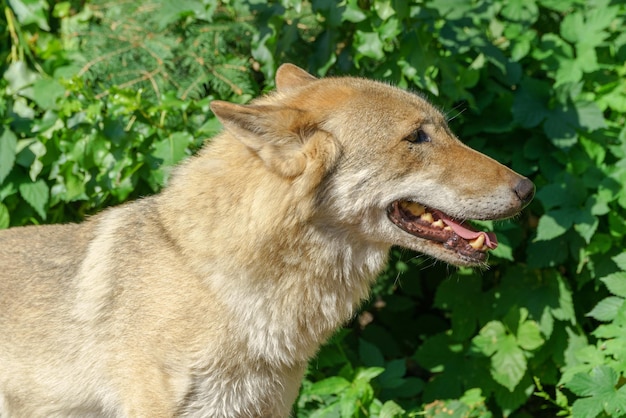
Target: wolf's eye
418,136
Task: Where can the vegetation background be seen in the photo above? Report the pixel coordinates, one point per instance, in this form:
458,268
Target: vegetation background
98,99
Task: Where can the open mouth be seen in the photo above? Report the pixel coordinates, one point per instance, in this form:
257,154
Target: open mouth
441,229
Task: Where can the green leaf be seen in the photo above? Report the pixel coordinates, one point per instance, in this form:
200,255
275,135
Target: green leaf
331,410
504,249
171,11
331,12
329,386
521,10
8,146
620,260
210,128
563,307
590,117
173,148
508,364
569,72
369,45
449,409
573,26
588,28
393,375
547,253
490,337
29,155
586,408
558,5
510,401
367,374
384,9
615,404
409,388
5,217
560,126
370,354
556,195
45,92
529,336
473,397
350,403
353,12
565,120
586,57
31,11
607,309
586,224
436,353
530,102
19,76
453,9
36,194
74,187
461,296
600,18
555,223
62,9
391,409
600,392
616,283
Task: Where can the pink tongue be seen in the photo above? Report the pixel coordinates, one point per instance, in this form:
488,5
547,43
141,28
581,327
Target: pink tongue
467,232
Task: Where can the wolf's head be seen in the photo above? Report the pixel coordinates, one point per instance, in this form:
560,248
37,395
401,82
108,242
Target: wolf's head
383,163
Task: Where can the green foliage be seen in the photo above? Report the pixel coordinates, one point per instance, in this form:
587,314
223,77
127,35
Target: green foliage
78,137
99,101
156,46
598,393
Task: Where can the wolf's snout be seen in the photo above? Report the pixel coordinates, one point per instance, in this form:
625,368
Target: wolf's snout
525,191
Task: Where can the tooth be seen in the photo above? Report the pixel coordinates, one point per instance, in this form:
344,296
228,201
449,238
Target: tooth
438,223
415,208
427,217
447,228
477,243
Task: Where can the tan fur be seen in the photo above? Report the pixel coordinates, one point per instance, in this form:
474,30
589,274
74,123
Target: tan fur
208,299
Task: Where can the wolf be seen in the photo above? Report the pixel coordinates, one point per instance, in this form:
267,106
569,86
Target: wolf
209,298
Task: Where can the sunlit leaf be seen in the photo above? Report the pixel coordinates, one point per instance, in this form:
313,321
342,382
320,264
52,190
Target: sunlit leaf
8,145
508,364
607,308
599,391
329,386
31,11
5,217
528,336
555,223
36,194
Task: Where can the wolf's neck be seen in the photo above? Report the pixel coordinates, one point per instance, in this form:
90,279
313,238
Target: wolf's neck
291,305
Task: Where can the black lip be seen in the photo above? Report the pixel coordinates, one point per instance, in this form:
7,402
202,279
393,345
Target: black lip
421,229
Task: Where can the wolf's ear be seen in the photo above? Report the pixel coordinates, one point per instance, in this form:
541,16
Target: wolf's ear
256,125
289,76
283,138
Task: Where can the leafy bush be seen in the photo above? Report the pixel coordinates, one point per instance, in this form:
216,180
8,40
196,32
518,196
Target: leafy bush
98,102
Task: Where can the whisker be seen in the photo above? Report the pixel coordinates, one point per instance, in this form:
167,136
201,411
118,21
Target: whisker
397,281
450,119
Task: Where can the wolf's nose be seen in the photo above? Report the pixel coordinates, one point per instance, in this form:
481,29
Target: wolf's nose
525,190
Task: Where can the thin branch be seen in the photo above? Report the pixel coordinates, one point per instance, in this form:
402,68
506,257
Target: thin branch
147,76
